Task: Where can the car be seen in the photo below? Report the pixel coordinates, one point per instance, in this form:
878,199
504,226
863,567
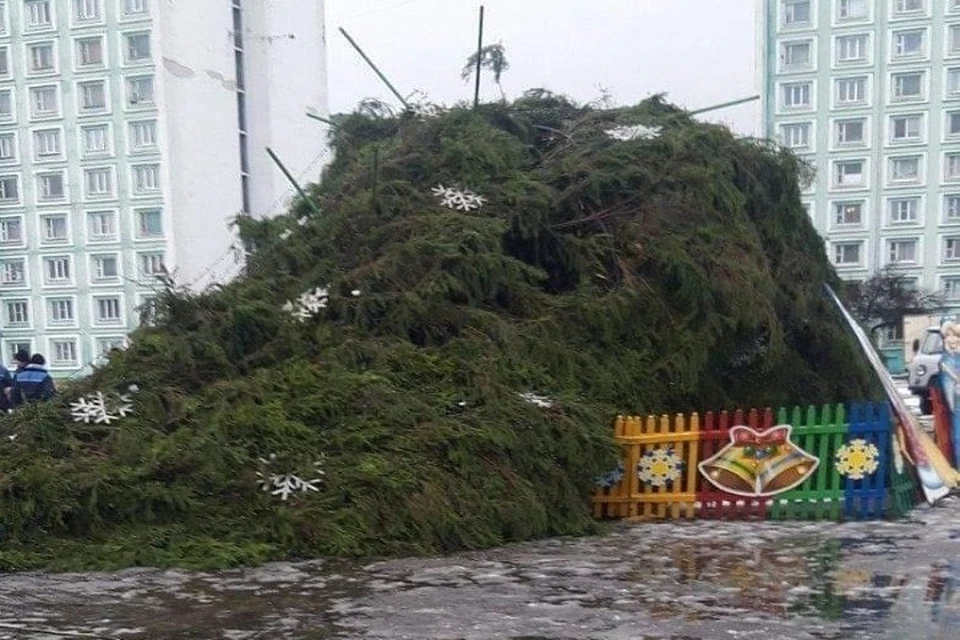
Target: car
924,368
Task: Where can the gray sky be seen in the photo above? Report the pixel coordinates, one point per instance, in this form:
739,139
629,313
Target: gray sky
698,52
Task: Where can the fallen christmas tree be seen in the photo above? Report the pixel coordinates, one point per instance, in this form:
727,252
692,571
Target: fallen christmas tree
433,362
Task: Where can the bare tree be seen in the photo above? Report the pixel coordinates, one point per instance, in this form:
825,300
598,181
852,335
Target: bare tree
886,297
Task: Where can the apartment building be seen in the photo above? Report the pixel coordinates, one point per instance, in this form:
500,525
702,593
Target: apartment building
131,133
868,91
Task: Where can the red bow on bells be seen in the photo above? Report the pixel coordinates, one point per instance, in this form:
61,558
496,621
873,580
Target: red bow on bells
745,436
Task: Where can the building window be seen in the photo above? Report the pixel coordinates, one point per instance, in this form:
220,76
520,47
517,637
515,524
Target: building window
108,311
905,169
60,311
40,57
848,173
901,7
904,210
140,91
846,253
795,135
105,268
852,48
50,186
54,228
134,7
46,143
796,13
146,178
63,352
4,61
37,14
907,86
17,313
953,40
56,270
9,189
90,52
796,94
902,251
8,146
43,102
951,288
953,82
86,10
12,272
105,345
796,55
951,207
851,91
851,9
137,47
149,223
93,96
951,249
848,214
952,126
6,104
101,225
850,133
99,182
908,44
951,166
95,139
11,231
151,264
905,128
143,135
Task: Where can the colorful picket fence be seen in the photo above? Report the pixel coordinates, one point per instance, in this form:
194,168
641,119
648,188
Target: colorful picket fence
854,479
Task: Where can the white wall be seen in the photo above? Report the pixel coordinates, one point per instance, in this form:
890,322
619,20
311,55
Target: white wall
198,106
285,60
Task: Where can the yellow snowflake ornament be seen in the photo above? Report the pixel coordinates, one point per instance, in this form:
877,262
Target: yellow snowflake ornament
659,466
857,459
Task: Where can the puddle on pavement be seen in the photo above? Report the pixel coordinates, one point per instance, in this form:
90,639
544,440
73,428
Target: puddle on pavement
690,580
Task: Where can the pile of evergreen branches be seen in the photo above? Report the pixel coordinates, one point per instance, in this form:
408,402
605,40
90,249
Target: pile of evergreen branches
458,386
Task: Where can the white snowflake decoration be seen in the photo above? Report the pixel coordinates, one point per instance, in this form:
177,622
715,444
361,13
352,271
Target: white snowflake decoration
461,200
286,233
95,408
287,484
634,132
303,221
541,401
308,304
659,466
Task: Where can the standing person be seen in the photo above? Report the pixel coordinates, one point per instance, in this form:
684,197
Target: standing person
33,382
6,389
20,360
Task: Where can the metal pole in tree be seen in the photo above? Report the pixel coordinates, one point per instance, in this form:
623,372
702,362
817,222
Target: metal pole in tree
293,181
374,67
476,89
722,105
321,119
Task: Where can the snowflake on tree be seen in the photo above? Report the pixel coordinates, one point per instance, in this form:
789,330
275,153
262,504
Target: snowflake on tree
308,304
659,466
287,484
461,200
95,408
857,459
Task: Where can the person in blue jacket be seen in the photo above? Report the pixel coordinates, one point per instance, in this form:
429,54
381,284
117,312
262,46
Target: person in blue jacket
33,382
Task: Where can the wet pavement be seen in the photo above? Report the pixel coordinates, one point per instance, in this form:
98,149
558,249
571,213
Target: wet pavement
686,581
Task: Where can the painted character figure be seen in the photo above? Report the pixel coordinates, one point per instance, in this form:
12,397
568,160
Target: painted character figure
950,381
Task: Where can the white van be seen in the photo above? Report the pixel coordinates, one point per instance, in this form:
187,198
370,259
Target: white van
924,368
